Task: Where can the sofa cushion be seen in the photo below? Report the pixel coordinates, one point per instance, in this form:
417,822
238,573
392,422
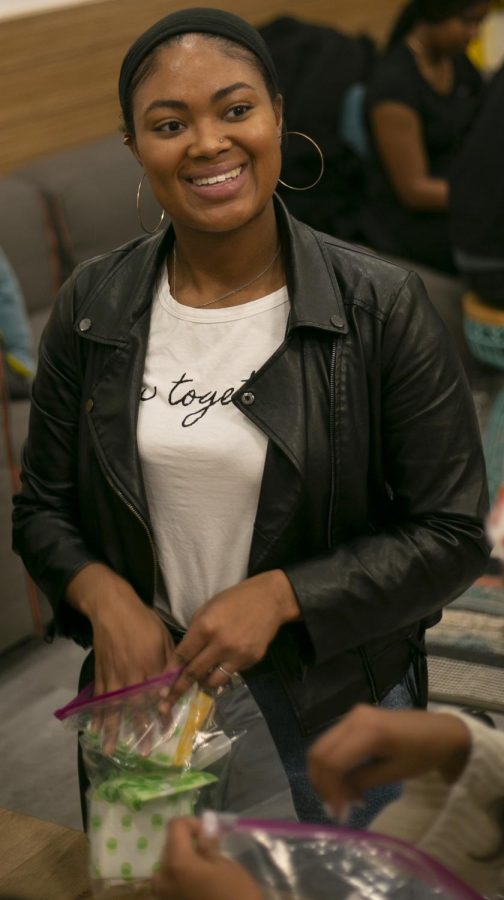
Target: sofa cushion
92,192
29,241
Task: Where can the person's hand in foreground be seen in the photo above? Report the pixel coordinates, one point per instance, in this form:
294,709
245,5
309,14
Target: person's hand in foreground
192,868
372,746
233,630
130,641
131,644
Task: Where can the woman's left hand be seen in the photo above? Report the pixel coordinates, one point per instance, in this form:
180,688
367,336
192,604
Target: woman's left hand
192,868
232,631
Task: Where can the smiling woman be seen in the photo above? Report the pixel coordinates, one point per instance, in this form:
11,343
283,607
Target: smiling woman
207,147
238,459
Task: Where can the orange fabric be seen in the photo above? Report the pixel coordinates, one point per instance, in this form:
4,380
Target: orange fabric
476,310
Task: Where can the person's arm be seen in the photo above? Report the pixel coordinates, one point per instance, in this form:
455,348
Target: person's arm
90,601
372,747
430,543
460,822
397,132
453,794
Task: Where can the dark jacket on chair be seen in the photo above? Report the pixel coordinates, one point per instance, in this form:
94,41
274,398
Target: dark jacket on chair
373,494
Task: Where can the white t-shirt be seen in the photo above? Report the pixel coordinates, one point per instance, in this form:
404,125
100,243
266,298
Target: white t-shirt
202,459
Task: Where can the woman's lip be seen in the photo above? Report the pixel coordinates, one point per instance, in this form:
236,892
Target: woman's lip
221,189
217,172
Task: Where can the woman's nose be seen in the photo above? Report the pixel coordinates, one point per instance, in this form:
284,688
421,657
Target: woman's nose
208,141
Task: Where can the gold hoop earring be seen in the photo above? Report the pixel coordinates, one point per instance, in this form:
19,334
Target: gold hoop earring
322,164
139,214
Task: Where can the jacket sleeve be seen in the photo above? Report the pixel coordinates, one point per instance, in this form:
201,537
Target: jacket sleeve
46,515
435,544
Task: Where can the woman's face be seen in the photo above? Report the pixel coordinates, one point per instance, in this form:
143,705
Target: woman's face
452,35
207,135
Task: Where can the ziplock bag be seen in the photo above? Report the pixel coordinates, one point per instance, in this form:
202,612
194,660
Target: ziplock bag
144,768
214,752
308,862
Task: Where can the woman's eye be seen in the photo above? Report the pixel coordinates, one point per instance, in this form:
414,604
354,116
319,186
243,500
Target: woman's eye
239,110
172,126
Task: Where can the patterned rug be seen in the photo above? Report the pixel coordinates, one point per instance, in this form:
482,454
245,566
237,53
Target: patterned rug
466,649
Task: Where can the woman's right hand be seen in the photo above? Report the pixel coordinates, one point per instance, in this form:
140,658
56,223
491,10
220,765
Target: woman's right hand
130,641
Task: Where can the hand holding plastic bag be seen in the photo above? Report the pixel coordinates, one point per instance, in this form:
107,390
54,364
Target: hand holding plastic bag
192,866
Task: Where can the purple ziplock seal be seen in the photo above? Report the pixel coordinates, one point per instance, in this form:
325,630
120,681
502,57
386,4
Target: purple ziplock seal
85,699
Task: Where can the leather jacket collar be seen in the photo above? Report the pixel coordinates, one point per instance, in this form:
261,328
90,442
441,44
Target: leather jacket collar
315,296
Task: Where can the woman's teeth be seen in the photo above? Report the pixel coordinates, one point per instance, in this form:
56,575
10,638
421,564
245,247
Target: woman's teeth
217,179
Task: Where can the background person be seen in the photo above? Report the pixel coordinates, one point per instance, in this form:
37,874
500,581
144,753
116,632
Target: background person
421,100
15,336
238,439
477,201
452,805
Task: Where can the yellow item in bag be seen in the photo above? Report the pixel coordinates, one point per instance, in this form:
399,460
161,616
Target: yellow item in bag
200,709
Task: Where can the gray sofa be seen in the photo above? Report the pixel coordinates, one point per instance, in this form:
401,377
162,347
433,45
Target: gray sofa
57,212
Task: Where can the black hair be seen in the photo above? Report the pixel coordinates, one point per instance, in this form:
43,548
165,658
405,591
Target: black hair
424,10
148,64
408,17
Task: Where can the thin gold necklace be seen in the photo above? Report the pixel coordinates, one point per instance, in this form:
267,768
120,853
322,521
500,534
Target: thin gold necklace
228,293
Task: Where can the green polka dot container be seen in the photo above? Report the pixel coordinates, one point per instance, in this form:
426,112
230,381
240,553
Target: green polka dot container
127,824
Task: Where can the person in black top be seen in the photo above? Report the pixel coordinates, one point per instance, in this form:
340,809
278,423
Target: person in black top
477,201
421,101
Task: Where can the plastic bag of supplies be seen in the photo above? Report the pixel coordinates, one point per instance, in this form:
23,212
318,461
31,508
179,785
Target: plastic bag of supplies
311,862
146,765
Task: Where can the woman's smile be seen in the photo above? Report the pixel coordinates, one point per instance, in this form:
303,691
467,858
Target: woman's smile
217,185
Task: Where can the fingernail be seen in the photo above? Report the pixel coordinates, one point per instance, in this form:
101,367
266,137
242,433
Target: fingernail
210,823
329,811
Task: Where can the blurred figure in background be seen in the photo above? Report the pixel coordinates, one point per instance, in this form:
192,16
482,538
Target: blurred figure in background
421,100
477,201
15,339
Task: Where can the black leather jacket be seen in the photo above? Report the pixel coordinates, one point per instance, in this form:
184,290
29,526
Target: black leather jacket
373,493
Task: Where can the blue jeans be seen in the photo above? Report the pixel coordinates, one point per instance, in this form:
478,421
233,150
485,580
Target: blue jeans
292,747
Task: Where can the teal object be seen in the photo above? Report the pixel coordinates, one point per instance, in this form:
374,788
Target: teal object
486,342
352,124
493,445
14,327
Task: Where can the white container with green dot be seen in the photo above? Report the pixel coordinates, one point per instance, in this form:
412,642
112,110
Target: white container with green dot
127,824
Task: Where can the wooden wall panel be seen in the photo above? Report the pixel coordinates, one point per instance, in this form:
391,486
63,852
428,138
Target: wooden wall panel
58,70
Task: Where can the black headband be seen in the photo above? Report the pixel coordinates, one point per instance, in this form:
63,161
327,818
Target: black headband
438,10
184,21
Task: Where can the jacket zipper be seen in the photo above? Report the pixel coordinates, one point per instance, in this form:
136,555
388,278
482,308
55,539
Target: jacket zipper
140,518
332,440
